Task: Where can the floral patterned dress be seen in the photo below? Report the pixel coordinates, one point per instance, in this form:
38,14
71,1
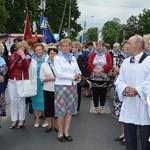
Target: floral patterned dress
116,102
3,71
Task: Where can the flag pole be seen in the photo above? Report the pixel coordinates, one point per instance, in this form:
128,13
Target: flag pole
60,28
69,19
26,7
51,31
27,29
36,32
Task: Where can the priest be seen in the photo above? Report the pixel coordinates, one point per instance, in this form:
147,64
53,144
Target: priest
133,75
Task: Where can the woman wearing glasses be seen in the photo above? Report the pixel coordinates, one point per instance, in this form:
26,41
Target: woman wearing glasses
47,76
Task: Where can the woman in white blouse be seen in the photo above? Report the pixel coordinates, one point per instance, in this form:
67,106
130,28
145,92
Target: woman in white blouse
67,76
47,76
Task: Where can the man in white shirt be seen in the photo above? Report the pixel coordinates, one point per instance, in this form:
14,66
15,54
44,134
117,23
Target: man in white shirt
134,112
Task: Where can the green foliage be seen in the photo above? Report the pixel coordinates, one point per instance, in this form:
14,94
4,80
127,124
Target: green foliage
144,22
54,11
112,32
13,13
92,34
131,27
17,13
3,16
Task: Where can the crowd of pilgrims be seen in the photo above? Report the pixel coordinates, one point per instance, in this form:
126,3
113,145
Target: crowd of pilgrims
64,71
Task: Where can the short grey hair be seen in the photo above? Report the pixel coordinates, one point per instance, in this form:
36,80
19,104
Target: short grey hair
146,39
139,40
117,45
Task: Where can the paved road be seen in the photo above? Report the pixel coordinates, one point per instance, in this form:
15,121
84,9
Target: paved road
89,132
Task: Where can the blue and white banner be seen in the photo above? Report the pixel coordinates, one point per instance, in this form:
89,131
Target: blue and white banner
48,37
43,22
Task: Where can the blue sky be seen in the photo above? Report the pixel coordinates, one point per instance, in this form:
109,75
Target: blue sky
105,10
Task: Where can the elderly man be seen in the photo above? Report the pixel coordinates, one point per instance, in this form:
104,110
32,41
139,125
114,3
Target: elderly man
134,112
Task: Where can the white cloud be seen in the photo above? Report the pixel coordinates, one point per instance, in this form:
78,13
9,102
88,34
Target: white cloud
105,10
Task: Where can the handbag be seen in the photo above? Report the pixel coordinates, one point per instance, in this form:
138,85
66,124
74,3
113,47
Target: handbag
84,82
99,84
111,73
28,87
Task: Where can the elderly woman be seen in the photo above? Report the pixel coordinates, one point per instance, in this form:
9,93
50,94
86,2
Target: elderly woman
18,65
3,71
146,39
76,50
67,76
38,100
116,102
31,52
47,76
99,64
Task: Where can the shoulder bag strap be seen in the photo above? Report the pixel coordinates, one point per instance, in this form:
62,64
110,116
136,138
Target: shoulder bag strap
52,70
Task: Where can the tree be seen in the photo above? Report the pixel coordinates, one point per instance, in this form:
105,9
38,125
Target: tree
112,32
3,16
131,27
17,13
144,22
54,11
92,34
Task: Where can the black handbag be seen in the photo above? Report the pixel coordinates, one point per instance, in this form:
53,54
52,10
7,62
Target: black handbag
84,82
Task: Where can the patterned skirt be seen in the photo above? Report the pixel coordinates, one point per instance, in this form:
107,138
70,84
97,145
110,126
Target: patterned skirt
116,105
65,100
2,104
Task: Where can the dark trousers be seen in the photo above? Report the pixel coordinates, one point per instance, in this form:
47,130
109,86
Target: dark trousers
79,95
99,94
131,136
29,102
49,110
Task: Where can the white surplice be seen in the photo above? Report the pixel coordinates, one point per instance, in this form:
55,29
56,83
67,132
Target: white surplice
146,91
134,109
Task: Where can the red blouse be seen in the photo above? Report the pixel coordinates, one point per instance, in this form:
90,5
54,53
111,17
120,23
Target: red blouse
106,67
16,67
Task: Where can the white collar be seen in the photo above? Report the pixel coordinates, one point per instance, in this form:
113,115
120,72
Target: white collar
138,57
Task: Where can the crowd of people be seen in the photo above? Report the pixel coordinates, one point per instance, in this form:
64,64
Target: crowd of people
60,71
